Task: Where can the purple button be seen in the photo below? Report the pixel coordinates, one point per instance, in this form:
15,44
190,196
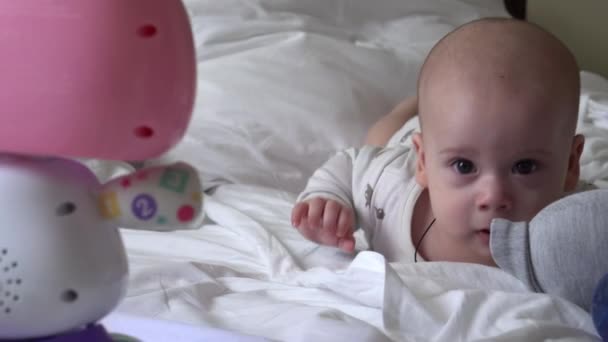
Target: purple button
144,207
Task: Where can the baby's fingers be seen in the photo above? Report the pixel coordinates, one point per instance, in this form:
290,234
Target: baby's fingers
330,216
316,207
347,244
306,230
345,222
299,210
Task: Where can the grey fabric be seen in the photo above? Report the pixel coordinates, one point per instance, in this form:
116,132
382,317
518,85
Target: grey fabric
509,244
563,251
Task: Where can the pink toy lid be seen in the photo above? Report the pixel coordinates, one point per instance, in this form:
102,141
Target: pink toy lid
110,79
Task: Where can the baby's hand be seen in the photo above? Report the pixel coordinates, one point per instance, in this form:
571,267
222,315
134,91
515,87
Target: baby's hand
326,222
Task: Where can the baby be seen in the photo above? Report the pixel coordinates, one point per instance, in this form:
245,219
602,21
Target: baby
498,103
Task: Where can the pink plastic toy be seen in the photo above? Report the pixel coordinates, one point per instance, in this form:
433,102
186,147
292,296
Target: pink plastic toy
107,79
110,79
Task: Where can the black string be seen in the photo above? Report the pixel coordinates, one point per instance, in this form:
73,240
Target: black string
422,237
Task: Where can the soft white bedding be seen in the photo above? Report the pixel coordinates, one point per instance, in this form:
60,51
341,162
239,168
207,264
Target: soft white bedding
251,273
282,85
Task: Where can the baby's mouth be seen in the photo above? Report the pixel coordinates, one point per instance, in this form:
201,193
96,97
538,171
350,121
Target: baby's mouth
484,235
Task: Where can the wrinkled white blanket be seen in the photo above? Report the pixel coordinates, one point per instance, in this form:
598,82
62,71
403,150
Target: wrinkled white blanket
250,272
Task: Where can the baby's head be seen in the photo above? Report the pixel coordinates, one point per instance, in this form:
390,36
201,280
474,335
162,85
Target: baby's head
498,103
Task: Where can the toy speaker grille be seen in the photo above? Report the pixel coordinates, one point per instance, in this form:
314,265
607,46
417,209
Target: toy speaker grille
10,282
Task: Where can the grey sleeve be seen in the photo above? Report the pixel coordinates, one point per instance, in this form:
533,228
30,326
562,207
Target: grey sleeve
509,245
562,251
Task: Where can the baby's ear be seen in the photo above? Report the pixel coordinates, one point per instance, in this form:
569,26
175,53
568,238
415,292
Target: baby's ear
574,167
421,176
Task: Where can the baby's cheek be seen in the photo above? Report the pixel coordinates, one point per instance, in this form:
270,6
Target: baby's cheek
528,206
452,206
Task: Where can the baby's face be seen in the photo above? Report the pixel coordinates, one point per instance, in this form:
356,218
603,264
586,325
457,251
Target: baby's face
495,152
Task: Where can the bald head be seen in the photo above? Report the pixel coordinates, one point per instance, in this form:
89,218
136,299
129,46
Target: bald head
506,54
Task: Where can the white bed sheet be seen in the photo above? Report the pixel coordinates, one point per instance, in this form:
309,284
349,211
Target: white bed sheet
250,272
593,124
154,330
282,85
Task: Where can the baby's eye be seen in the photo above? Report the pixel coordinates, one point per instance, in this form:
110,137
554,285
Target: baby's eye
463,166
524,167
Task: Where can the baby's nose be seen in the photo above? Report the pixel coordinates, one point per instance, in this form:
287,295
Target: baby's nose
494,195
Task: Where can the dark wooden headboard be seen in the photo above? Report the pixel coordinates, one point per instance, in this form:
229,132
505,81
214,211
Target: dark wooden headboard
516,8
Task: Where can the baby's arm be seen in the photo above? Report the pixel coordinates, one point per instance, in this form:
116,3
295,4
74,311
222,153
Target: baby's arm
326,211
